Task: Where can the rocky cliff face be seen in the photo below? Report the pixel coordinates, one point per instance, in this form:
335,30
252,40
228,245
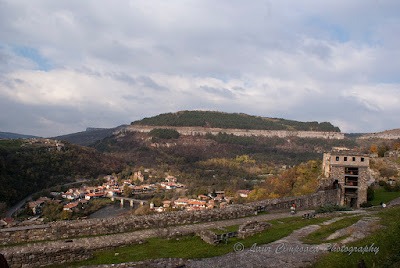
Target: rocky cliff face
387,135
195,131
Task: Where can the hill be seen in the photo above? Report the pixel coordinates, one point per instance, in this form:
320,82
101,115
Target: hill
88,137
232,120
26,168
14,136
387,134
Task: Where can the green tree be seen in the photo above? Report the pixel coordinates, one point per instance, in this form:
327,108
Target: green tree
127,191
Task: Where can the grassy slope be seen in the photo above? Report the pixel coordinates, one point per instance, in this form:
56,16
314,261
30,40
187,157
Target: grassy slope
381,195
192,246
387,239
319,236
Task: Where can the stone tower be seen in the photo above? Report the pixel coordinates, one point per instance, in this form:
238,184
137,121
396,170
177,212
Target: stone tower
350,171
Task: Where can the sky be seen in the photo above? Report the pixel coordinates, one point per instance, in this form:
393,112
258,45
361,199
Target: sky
68,65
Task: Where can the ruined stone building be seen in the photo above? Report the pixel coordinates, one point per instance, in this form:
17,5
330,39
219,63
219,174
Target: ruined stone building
350,173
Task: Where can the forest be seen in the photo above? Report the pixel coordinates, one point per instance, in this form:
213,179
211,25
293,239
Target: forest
27,169
232,120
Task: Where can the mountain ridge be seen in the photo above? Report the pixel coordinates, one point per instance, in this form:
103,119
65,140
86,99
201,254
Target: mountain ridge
14,136
214,119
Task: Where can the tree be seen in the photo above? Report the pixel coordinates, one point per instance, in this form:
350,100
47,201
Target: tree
127,191
382,150
374,149
396,146
370,193
157,202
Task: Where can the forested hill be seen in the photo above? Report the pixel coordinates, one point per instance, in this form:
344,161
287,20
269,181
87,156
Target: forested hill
25,168
232,120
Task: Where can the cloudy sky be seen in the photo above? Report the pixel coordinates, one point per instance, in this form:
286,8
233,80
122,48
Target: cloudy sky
68,65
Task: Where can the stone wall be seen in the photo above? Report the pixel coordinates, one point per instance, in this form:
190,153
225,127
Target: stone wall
193,131
252,228
89,227
47,256
208,237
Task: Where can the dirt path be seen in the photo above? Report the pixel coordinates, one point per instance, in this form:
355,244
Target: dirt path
289,251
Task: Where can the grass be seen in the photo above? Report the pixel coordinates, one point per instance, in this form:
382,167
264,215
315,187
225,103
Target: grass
107,234
386,239
227,229
381,195
319,236
192,246
10,144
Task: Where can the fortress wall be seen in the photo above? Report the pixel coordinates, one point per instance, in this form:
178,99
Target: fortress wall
193,131
88,227
63,252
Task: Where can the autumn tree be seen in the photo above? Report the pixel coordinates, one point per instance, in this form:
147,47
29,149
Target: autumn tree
374,149
396,146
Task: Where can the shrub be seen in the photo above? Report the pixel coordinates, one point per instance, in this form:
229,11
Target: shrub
329,207
164,133
366,204
382,183
370,193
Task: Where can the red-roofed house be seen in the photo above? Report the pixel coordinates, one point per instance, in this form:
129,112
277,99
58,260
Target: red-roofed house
244,193
70,206
197,203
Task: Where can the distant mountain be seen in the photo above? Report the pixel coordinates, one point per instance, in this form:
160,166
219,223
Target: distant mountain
14,136
387,134
232,120
88,137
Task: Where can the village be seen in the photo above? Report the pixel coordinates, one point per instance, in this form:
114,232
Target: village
77,199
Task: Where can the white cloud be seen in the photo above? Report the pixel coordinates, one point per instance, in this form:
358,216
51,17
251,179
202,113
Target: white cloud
112,63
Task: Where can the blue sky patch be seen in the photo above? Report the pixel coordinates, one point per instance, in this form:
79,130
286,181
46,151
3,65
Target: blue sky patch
335,31
34,55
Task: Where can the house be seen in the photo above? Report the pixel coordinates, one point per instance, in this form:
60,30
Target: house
182,202
70,206
167,204
197,203
202,197
220,193
94,195
168,186
36,206
171,179
159,209
228,198
69,196
243,193
223,204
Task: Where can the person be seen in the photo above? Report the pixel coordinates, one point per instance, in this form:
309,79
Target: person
293,209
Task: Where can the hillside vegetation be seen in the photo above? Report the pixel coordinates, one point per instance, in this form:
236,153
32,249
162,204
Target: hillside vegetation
25,169
232,120
88,137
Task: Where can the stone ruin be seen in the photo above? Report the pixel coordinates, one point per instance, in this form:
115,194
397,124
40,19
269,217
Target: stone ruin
252,228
